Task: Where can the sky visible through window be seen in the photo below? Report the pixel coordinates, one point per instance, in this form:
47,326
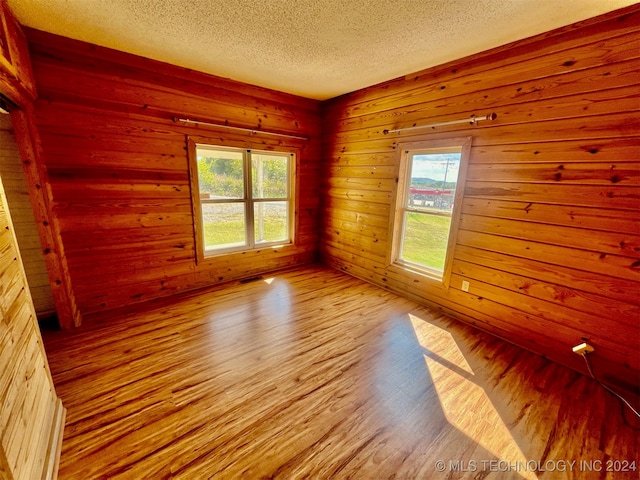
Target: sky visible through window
436,166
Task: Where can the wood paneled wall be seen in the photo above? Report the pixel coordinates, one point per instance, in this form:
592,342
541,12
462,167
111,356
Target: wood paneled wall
31,415
549,233
17,193
118,168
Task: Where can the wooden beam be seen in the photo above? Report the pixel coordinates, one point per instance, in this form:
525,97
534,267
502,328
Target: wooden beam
16,75
28,141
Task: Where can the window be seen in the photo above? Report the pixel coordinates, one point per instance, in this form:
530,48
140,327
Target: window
428,205
244,198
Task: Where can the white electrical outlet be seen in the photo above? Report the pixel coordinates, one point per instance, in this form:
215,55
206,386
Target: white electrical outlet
582,349
465,286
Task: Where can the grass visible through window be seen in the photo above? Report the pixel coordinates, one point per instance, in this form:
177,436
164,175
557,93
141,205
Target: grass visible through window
231,230
227,232
425,239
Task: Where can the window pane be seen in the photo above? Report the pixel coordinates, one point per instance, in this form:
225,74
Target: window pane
425,239
434,178
270,175
220,174
223,225
271,223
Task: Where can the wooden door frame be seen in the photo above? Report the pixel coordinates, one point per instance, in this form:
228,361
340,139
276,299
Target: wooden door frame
18,88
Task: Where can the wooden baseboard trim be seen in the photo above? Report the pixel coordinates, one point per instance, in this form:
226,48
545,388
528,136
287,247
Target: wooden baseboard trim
52,460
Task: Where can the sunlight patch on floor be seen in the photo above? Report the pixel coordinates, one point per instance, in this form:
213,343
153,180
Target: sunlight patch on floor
440,344
464,403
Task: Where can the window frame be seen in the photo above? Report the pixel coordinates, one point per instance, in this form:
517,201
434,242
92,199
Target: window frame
405,152
202,254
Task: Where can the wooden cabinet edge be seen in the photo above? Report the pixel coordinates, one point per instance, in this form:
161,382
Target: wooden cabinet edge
54,446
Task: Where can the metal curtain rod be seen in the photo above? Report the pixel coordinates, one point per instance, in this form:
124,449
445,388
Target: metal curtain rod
251,131
473,120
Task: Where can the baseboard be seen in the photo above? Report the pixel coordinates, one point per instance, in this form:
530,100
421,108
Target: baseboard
54,447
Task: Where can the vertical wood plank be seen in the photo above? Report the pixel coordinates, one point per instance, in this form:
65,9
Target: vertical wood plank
30,413
24,222
48,227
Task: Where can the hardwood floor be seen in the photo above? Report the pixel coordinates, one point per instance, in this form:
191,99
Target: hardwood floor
314,374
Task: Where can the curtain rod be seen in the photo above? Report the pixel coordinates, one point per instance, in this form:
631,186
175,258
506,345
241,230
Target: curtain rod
473,120
251,131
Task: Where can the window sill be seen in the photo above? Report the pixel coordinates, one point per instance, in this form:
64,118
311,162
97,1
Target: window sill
227,254
434,279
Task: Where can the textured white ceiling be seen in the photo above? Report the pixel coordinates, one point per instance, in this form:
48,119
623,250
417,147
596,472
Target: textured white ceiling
314,48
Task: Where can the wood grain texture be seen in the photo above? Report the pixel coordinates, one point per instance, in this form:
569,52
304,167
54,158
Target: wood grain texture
119,175
311,373
16,75
17,84
548,236
17,192
30,413
36,175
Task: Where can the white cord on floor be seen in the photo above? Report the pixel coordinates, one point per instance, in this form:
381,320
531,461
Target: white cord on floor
622,399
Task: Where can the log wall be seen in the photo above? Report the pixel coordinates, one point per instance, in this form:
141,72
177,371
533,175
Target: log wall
549,236
119,174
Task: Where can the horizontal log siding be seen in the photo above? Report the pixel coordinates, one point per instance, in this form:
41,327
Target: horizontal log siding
119,172
549,238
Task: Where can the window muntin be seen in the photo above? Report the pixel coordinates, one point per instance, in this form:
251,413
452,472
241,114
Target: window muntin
428,205
245,198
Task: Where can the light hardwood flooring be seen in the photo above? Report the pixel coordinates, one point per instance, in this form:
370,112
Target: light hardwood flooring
314,374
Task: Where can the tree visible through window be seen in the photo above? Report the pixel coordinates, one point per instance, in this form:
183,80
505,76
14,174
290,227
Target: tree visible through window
426,206
244,198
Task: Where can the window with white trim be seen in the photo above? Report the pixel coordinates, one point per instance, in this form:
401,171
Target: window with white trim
244,199
429,197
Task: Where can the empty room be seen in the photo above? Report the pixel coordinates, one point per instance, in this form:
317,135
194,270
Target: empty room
319,239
